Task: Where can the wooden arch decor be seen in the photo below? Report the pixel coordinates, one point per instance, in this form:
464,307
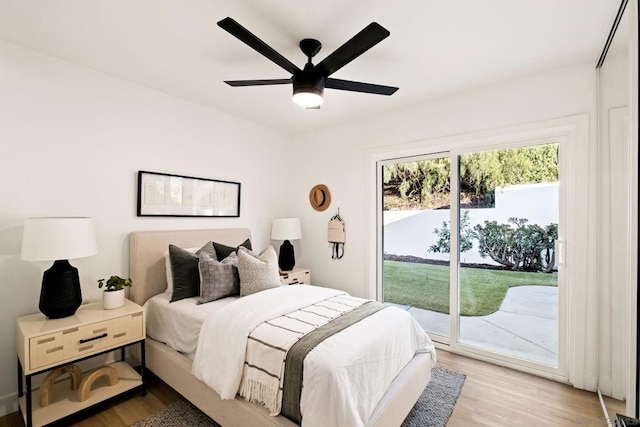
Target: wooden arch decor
47,384
85,386
320,197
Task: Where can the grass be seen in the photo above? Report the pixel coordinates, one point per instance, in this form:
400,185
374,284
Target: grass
481,291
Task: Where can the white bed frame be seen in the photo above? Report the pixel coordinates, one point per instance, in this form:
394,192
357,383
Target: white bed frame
147,271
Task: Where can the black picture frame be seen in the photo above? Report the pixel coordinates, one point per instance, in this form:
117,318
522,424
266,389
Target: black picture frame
169,195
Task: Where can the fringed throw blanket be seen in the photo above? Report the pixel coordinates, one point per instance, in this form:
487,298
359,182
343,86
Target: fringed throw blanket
270,342
292,389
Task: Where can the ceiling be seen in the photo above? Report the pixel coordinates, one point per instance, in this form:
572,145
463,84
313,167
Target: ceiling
436,47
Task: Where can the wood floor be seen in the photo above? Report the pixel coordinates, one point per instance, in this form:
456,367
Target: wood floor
491,396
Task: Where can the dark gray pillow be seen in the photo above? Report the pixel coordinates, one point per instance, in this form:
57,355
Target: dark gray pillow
184,268
218,279
223,251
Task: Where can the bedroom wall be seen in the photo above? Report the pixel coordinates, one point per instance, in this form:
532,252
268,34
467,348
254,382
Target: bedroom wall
339,157
72,141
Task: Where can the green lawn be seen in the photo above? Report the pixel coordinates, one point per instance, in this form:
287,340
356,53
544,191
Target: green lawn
427,286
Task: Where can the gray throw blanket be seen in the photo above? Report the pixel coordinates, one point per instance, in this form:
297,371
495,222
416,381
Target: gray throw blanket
292,388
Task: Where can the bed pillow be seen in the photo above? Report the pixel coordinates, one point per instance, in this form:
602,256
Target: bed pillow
184,270
258,273
167,267
223,251
218,279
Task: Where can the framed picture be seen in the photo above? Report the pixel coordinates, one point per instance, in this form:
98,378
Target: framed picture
161,194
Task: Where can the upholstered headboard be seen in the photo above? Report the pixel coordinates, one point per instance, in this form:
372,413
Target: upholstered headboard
146,255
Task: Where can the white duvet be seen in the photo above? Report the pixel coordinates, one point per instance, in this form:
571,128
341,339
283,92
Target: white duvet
345,376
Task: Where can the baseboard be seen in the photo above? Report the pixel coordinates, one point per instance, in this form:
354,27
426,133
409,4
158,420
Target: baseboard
8,404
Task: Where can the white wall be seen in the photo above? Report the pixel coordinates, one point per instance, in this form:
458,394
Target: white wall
339,157
71,143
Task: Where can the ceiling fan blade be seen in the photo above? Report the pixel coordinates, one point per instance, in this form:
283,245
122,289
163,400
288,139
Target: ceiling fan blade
372,34
267,82
359,87
245,36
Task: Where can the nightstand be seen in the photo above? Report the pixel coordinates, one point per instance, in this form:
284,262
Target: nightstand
296,276
46,344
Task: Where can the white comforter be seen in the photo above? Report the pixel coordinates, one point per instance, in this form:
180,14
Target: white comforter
371,352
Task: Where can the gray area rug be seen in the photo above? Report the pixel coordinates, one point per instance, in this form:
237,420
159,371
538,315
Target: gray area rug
435,405
433,408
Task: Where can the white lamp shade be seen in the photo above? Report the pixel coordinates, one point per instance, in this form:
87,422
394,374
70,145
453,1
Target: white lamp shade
51,239
286,229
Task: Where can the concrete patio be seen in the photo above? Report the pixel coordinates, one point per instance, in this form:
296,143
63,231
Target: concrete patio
525,325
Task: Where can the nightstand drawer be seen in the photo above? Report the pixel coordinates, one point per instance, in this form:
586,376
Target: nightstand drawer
73,343
125,329
46,349
296,277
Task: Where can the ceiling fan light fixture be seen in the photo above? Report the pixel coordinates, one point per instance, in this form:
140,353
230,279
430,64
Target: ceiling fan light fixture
307,97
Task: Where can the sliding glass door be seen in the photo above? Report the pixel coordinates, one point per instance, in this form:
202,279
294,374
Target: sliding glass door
469,243
416,275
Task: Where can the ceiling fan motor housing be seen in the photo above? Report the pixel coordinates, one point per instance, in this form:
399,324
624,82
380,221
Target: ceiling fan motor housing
308,81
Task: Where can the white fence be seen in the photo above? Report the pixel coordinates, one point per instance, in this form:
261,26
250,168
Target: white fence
412,232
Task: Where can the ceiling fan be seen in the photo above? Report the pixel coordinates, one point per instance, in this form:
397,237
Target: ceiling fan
310,82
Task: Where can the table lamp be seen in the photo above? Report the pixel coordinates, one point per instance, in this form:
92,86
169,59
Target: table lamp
58,240
286,229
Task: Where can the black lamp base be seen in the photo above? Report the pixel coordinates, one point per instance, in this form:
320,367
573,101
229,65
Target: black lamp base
287,259
60,295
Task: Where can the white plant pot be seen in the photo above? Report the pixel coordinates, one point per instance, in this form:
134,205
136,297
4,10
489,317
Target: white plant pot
113,299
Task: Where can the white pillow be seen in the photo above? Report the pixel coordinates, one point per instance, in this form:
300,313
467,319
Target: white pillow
167,266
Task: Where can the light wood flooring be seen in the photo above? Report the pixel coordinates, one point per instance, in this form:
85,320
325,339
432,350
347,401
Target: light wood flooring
491,396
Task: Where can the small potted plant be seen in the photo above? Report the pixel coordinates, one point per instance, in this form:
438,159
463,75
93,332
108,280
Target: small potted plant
113,295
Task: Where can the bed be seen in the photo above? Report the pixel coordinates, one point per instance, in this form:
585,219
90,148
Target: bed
147,270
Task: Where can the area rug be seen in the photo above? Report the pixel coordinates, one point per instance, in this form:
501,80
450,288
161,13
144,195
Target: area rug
433,408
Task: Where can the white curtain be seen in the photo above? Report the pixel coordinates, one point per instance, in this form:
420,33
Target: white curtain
597,249
613,245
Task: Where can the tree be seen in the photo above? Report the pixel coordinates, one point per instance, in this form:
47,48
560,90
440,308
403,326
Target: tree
518,245
551,235
417,184
496,242
443,244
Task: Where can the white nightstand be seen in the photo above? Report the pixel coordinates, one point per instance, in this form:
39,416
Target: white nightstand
296,276
45,344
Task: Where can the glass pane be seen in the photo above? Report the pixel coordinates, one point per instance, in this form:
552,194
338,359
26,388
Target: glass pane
416,198
508,280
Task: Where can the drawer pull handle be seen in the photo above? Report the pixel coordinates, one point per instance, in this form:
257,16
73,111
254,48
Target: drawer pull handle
93,338
86,347
97,331
53,350
46,340
69,331
121,334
